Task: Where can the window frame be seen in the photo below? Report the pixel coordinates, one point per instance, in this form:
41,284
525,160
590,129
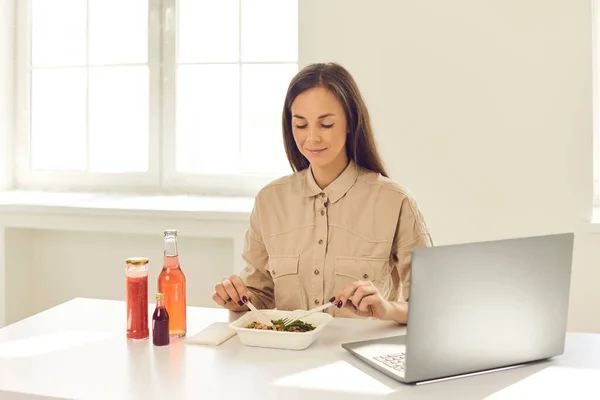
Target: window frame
162,176
596,102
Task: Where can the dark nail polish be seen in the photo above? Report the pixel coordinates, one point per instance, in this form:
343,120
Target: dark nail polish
244,299
339,304
240,303
331,300
228,299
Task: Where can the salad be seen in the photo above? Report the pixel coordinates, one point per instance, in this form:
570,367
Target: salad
296,326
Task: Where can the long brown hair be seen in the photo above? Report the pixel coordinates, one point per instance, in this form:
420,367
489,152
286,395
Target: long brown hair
360,143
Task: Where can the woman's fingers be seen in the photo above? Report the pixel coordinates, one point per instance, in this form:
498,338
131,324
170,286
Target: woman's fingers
363,297
232,291
368,305
218,299
240,288
221,297
368,313
343,297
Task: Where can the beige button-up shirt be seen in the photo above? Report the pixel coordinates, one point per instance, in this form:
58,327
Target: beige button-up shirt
305,245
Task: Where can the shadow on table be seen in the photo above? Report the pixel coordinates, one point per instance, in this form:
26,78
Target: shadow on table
340,375
358,380
538,379
326,369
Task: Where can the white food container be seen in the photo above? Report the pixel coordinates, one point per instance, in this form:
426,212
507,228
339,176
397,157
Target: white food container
279,339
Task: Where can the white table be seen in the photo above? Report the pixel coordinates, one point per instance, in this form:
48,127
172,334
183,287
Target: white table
78,350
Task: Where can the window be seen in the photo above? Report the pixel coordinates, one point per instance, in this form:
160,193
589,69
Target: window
165,95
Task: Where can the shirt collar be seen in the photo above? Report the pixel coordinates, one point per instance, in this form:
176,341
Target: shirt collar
336,189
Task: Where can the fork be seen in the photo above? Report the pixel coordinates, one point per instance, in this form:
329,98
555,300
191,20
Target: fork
296,316
260,316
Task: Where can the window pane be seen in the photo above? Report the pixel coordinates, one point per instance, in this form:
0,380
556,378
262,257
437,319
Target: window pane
58,119
208,31
263,92
58,32
118,31
208,119
118,120
270,30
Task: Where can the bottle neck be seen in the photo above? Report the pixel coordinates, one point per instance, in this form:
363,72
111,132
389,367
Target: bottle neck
171,253
171,262
171,246
160,303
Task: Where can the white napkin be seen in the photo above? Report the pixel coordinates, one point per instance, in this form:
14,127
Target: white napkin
212,335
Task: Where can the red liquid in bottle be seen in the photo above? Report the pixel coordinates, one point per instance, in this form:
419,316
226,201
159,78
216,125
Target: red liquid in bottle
160,322
137,308
172,282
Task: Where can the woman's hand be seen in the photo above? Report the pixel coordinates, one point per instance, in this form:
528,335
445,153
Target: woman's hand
231,293
364,299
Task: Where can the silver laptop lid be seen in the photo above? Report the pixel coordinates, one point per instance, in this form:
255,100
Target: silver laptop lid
485,305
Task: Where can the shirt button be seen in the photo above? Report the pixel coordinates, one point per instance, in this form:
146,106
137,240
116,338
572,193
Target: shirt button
322,195
320,241
365,276
273,272
322,212
317,272
317,302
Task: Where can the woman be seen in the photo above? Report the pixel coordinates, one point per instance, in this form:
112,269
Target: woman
337,229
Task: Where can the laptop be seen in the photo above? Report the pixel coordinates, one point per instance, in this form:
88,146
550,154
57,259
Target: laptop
478,307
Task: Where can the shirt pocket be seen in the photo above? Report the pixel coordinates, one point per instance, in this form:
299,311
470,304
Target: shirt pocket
286,282
352,269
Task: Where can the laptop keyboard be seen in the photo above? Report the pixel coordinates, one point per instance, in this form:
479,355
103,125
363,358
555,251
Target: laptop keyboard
394,361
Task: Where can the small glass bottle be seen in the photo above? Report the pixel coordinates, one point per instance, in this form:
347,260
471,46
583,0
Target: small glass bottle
172,282
136,272
160,322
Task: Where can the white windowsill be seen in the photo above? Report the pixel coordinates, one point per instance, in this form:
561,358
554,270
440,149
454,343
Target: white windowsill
97,204
593,226
222,217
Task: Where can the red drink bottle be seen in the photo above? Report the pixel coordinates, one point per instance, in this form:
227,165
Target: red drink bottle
136,272
172,283
160,322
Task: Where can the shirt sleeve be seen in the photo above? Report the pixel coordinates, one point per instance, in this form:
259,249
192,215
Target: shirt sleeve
254,275
411,232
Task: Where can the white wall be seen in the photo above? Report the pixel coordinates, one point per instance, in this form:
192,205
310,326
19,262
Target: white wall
483,109
46,268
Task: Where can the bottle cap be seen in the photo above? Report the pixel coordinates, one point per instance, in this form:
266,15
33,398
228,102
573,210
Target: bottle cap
171,232
137,260
160,296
